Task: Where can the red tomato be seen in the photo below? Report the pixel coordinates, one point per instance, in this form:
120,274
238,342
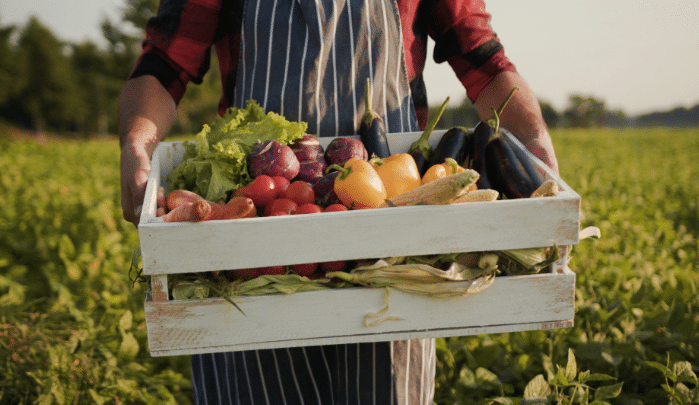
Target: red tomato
281,204
335,207
273,270
327,267
282,183
243,274
276,214
262,190
300,192
309,208
305,269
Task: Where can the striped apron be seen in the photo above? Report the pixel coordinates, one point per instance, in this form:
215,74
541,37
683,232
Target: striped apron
309,61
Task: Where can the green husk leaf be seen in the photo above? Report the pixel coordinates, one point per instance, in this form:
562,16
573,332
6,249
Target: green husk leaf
278,284
419,278
194,290
215,164
531,260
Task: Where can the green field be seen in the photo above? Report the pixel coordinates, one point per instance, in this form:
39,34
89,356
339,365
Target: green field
72,327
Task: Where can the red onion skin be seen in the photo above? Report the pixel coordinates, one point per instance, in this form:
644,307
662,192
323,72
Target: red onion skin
307,148
341,149
312,170
273,159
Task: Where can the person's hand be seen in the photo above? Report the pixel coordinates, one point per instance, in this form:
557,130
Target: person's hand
135,169
522,116
146,114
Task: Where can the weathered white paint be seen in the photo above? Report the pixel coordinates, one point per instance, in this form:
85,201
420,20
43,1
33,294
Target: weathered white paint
232,244
520,303
517,303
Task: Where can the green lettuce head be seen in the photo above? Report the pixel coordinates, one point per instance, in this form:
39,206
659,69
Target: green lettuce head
215,164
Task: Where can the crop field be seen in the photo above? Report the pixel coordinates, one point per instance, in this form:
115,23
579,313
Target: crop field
72,327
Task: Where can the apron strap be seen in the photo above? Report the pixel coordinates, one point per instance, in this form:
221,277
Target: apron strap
309,61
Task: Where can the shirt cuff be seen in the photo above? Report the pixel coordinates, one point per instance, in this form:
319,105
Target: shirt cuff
151,63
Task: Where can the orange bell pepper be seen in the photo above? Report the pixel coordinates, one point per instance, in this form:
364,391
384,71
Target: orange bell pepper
398,172
449,167
358,186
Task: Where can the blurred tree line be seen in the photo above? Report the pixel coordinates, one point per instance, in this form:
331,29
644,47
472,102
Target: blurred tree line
50,85
580,112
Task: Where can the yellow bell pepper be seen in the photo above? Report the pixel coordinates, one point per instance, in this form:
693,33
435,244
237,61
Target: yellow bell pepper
398,172
449,167
358,185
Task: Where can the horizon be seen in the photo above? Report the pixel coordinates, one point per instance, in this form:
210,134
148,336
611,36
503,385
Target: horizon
638,58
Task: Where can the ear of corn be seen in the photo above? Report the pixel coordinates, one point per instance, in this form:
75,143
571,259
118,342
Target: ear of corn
549,188
484,195
420,279
440,191
529,260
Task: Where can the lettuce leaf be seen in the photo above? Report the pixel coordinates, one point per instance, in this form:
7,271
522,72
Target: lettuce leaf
215,164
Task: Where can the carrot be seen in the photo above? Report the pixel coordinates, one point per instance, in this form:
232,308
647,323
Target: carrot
189,212
161,200
237,207
179,197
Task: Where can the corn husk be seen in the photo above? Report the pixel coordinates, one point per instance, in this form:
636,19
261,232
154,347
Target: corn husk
190,290
420,278
549,188
278,284
528,260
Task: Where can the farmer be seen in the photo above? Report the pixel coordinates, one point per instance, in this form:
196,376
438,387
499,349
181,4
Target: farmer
309,61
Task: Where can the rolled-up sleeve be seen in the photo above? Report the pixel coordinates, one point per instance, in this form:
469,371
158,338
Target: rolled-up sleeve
463,38
177,46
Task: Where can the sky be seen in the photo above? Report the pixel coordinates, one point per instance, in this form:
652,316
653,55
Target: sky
637,56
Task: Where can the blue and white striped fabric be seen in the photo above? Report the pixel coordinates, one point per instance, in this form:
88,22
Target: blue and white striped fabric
382,373
309,61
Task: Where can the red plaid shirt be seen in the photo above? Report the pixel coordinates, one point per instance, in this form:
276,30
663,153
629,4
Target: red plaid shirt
178,40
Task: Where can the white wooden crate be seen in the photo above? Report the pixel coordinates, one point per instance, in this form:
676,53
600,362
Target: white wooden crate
515,303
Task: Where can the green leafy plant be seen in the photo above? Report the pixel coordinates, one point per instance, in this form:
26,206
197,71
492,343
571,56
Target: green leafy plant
568,386
72,324
677,376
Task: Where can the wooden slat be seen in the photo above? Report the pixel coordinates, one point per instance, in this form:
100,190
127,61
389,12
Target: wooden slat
222,245
159,290
337,316
510,304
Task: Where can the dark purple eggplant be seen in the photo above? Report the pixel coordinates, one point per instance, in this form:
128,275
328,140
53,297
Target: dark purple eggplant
526,162
505,170
421,150
372,130
476,151
451,145
476,158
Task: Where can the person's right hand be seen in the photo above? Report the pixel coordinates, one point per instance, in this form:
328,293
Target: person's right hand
135,169
146,114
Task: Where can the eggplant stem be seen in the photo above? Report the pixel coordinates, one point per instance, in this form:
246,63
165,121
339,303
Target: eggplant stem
369,114
367,95
422,143
494,121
